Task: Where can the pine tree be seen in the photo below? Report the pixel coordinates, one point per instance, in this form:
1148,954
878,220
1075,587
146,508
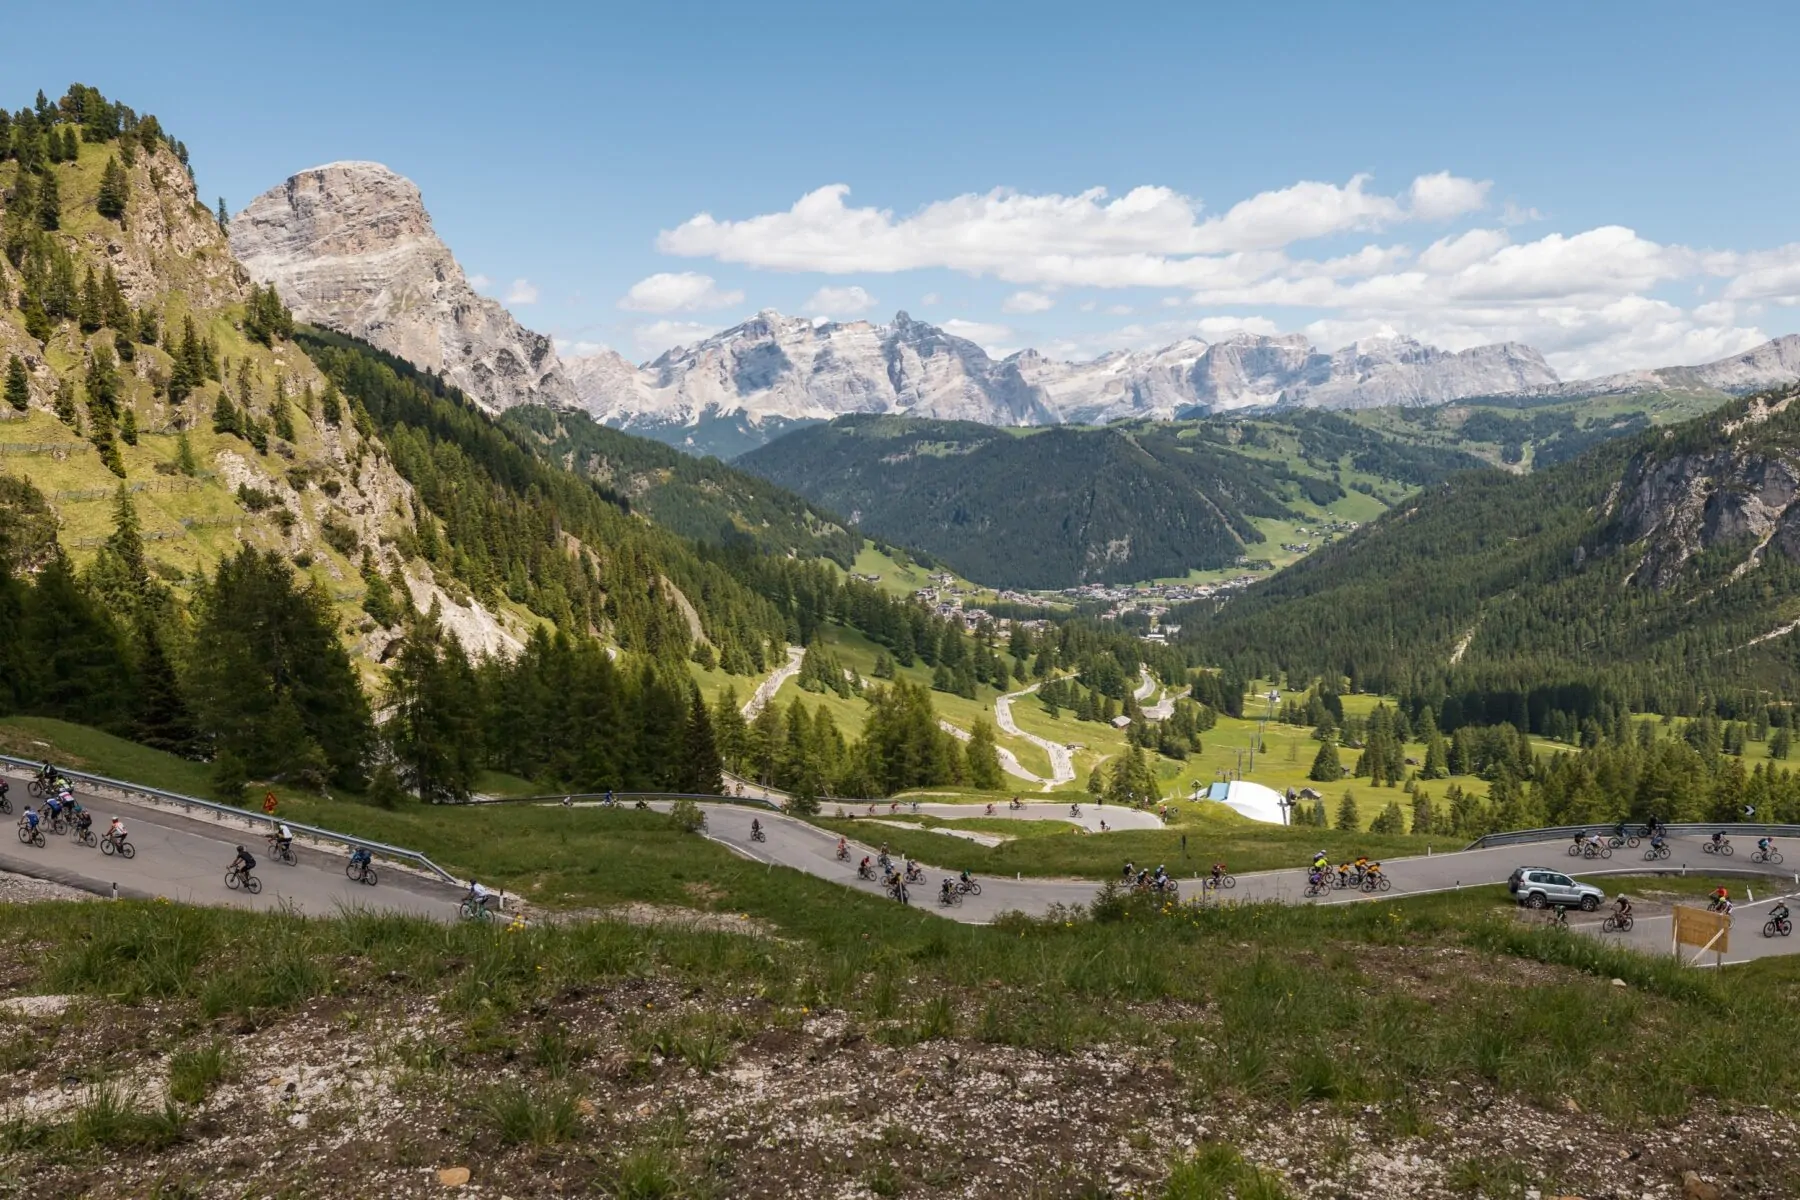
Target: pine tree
1424,818
225,418
224,220
184,455
1346,814
1096,782
18,384
163,720
1390,820
1325,765
280,413
49,203
91,313
65,404
115,191
700,772
983,756
434,727
331,405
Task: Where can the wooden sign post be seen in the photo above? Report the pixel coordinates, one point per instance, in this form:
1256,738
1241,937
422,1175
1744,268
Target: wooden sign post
1703,928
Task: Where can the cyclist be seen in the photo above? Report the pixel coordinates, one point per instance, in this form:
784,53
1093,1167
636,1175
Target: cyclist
990,808
284,838
1374,871
755,826
1320,862
1779,912
1130,869
1343,878
1361,866
360,856
966,878
1619,829
84,820
1592,843
116,830
1218,873
843,847
1721,899
947,890
244,863
53,806
1718,839
1074,810
1581,837
29,819
482,897
1622,907
865,869
1764,844
1656,840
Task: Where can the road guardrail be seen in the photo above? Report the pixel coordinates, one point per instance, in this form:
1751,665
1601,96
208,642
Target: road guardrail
158,796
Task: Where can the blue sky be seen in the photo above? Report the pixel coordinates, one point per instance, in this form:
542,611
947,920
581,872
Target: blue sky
1610,182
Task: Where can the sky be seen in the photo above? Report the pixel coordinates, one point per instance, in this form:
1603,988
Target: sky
1611,183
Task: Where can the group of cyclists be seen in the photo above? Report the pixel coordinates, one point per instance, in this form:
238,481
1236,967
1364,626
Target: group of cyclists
881,868
1140,880
61,813
1360,873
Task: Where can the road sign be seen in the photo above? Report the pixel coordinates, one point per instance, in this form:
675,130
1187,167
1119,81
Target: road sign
1749,810
1710,931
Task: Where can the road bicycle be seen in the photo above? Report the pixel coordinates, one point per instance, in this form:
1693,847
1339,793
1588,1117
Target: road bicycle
472,909
283,854
1720,847
1777,927
117,845
949,898
237,877
1618,924
360,872
32,835
1656,852
1770,855
968,887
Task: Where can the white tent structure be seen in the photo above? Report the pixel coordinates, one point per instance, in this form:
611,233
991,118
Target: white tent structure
1252,800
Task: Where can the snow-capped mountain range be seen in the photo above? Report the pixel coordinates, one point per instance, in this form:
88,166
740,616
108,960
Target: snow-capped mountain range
350,245
793,369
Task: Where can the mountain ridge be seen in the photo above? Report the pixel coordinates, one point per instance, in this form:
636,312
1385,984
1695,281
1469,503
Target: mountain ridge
351,247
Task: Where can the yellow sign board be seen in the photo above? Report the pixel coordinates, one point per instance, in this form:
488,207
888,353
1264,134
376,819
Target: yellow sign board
1703,928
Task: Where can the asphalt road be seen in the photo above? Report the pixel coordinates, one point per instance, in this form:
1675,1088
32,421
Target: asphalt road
793,843
185,859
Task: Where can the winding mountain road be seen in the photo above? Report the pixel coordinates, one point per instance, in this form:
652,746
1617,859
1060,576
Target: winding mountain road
765,691
1062,763
1009,762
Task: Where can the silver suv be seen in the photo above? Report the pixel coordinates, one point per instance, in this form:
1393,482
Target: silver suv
1541,887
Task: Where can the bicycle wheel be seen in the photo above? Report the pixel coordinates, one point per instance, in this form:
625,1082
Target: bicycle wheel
253,885
106,846
1385,884
1610,925
1229,881
1606,852
127,850
231,880
350,870
368,876
1775,857
1632,841
24,835
89,838
1575,850
37,839
35,787
5,805
1726,850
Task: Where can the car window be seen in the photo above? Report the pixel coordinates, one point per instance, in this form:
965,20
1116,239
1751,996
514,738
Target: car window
1562,881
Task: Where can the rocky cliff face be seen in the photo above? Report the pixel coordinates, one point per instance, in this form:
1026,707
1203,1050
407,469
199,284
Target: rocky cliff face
1738,493
351,248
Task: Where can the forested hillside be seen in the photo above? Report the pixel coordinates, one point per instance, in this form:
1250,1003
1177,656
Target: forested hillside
1656,572
1062,506
698,498
278,550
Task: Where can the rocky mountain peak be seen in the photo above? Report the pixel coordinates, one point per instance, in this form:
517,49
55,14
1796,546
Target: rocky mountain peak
351,247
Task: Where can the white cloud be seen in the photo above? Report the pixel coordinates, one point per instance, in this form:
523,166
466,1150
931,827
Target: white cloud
522,291
929,300
838,302
1441,196
684,291
1320,257
1149,236
578,347
989,337
1027,302
657,336
479,281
